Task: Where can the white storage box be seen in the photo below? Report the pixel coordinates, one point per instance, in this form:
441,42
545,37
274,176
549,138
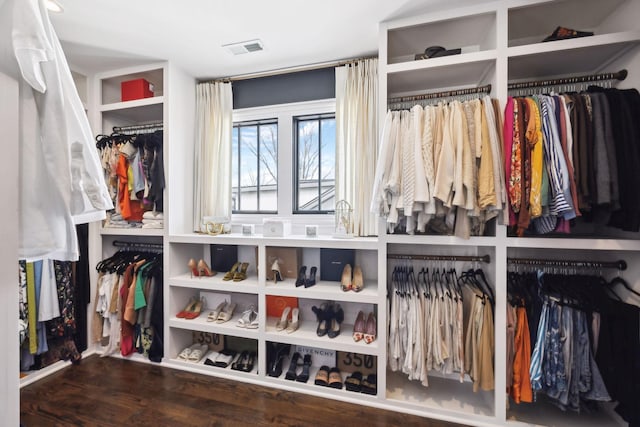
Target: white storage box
276,227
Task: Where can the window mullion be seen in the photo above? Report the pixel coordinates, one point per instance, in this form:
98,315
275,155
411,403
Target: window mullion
258,167
319,165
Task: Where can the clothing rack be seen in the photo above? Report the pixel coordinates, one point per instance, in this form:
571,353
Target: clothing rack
620,75
620,265
482,258
444,94
138,245
138,129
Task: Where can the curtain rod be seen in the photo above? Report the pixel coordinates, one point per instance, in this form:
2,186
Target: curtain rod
620,265
620,75
137,245
280,71
483,258
443,94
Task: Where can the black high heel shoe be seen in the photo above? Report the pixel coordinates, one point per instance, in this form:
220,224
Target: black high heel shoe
275,370
302,276
304,375
312,277
323,319
293,366
335,321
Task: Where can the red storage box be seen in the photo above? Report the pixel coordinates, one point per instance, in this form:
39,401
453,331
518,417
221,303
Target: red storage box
136,89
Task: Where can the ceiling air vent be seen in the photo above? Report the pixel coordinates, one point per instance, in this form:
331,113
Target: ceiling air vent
244,47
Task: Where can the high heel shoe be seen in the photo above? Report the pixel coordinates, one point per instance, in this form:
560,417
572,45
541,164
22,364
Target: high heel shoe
358,282
193,267
229,274
196,310
281,324
302,276
293,367
359,328
321,315
345,280
335,322
204,270
188,308
295,321
371,329
275,268
241,274
306,365
311,280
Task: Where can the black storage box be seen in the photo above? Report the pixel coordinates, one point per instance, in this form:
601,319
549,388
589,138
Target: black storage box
223,257
332,262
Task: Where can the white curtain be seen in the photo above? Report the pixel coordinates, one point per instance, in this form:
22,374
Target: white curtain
357,140
214,115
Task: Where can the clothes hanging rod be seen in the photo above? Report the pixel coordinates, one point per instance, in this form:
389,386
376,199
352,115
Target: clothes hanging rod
289,70
443,94
482,258
619,265
137,245
146,126
620,75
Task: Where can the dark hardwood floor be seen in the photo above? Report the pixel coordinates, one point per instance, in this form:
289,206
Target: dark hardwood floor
113,392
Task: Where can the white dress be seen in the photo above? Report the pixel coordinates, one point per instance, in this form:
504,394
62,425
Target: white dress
57,162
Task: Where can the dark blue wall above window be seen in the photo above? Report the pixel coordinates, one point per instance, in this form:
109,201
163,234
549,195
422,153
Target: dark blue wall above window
285,88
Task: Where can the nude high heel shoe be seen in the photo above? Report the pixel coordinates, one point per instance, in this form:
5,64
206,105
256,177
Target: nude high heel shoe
204,270
345,281
277,275
193,267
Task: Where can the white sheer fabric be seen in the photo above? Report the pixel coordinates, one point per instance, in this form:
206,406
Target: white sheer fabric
357,140
214,108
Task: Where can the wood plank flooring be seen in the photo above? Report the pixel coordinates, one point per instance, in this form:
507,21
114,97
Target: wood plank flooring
114,392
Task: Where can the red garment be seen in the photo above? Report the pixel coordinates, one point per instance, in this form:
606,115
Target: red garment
131,210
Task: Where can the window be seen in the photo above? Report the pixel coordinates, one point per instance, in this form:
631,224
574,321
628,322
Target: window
315,163
255,167
282,189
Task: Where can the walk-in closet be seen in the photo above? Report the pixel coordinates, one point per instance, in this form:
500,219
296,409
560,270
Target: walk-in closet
486,271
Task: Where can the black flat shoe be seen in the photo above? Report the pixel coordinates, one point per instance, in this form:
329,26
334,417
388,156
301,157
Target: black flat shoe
311,280
306,364
293,366
247,366
354,382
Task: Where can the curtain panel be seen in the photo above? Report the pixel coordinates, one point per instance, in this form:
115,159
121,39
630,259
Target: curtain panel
357,140
212,165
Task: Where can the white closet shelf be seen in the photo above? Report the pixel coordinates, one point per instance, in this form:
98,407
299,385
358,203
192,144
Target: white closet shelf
200,324
106,231
447,75
439,240
215,283
574,56
136,103
573,244
133,114
311,386
325,290
443,62
135,357
306,336
33,376
441,396
201,368
289,241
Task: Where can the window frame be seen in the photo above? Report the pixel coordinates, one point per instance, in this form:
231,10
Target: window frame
284,113
257,124
296,176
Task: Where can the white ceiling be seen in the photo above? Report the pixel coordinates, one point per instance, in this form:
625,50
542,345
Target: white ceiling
98,35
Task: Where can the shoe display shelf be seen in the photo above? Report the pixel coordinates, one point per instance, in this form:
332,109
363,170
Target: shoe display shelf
501,43
258,290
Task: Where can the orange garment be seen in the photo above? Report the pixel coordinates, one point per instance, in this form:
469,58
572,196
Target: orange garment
521,388
131,210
